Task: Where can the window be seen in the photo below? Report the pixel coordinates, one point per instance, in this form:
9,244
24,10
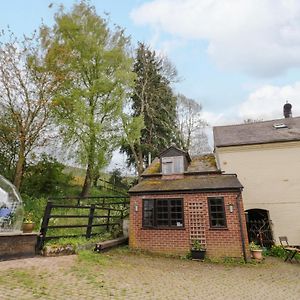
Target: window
217,212
163,213
172,165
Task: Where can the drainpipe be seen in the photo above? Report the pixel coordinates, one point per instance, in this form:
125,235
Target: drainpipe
238,197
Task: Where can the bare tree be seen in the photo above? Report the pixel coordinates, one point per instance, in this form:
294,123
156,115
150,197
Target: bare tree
25,96
191,126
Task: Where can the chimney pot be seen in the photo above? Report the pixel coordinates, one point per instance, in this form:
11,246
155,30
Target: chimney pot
287,110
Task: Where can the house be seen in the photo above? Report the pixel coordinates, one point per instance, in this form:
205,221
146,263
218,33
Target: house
266,158
182,199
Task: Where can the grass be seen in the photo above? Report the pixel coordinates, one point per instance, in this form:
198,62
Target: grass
76,242
93,258
33,281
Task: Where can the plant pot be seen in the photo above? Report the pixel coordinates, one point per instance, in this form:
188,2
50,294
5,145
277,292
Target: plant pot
27,227
198,254
257,254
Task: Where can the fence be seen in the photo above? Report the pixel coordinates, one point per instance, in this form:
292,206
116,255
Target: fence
109,187
87,212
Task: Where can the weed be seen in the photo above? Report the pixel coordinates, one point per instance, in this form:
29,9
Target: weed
93,258
77,243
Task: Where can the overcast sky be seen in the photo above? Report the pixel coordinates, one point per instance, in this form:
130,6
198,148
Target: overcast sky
239,58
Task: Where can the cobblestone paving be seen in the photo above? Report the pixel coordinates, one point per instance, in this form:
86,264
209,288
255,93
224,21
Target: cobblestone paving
122,275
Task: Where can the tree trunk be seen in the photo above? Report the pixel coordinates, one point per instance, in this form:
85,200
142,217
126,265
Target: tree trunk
91,159
140,165
138,157
87,181
20,164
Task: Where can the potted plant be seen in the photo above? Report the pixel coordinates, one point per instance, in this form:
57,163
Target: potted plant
198,250
28,223
256,251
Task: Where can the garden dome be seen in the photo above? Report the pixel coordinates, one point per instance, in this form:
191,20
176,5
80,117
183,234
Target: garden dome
11,208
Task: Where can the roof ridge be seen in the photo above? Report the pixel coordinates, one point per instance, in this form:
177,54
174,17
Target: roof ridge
258,122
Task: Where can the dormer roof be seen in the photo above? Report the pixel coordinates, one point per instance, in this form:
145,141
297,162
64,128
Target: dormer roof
174,151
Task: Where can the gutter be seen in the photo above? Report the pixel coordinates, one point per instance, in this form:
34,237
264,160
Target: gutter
187,191
238,199
184,173
257,143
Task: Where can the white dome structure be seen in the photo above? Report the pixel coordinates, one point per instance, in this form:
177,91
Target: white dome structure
11,208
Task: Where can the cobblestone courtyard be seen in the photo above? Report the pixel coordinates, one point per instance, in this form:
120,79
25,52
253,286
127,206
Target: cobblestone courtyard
120,274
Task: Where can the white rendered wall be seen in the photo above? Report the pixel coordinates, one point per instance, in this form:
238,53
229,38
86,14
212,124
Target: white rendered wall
270,175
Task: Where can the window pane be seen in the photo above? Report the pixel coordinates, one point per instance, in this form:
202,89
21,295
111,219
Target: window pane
162,222
148,212
217,212
163,212
176,213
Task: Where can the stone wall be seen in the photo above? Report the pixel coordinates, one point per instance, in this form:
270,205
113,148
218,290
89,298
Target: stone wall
17,245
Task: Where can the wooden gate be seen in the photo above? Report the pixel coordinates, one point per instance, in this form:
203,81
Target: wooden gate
86,213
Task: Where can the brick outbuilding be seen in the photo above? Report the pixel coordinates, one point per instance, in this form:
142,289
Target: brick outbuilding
180,200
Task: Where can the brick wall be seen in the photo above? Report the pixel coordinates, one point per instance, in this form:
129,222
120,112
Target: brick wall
219,242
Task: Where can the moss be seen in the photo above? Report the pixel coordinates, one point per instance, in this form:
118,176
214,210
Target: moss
152,182
210,159
153,168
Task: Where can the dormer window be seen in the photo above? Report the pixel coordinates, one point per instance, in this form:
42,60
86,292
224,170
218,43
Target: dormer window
172,165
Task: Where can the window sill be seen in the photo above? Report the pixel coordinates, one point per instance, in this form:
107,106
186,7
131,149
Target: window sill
218,228
163,228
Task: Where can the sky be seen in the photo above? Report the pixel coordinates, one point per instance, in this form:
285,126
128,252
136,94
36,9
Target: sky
239,58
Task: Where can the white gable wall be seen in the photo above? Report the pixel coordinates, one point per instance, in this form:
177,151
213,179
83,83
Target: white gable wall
270,174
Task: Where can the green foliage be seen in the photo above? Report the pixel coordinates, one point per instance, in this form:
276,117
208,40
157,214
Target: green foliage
154,104
28,218
277,251
25,101
228,261
117,180
197,245
76,242
89,62
254,246
90,257
45,178
36,207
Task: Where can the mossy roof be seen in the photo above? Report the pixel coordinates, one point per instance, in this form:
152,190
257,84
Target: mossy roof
188,183
202,164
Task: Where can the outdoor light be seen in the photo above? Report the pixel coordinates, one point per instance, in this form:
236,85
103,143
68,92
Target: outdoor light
136,207
230,207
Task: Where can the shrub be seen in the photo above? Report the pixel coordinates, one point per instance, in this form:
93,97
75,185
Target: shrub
277,251
35,207
254,246
45,178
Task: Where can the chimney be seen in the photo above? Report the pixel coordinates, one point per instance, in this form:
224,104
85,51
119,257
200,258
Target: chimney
287,110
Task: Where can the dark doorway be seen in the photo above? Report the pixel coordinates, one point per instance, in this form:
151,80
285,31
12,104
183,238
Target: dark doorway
259,227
